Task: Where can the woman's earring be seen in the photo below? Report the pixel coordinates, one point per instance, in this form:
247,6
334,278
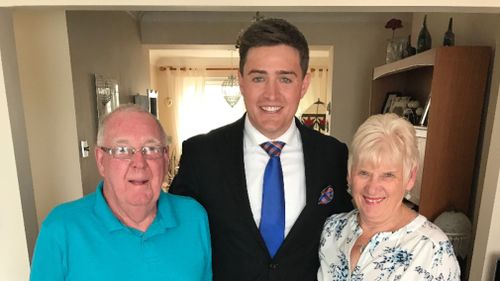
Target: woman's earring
408,196
349,189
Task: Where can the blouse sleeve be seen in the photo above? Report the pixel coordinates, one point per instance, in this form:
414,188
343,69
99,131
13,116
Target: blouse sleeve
447,265
437,261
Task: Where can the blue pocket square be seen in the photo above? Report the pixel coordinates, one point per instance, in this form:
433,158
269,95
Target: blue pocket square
326,195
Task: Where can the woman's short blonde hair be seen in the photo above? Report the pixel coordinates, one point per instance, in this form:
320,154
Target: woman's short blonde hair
385,138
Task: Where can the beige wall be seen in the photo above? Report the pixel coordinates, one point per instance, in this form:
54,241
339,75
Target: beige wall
18,221
487,242
106,43
47,92
14,257
493,248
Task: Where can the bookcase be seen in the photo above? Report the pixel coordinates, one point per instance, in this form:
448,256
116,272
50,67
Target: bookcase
456,79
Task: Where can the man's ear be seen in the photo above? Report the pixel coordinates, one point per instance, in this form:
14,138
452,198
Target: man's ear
99,158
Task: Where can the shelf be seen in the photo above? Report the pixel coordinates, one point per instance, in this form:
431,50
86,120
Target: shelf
457,78
424,59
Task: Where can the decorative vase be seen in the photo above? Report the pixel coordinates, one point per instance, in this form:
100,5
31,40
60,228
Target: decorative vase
424,41
410,50
449,36
395,49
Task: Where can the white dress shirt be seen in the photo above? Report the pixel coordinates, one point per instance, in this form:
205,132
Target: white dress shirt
292,163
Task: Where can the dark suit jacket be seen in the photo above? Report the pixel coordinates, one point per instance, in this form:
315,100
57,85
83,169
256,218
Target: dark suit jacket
212,171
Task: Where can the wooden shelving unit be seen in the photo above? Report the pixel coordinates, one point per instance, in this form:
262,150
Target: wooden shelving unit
456,78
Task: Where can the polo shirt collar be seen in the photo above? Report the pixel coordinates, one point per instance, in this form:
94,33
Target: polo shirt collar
103,211
166,215
164,219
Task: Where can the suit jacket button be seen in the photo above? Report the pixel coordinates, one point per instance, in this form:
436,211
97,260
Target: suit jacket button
273,265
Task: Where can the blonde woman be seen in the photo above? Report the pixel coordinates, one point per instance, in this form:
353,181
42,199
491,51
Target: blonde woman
382,239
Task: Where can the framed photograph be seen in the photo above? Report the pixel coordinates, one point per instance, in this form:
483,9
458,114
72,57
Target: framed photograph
399,105
389,99
423,118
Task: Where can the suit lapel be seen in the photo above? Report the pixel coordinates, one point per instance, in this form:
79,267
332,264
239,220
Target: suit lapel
311,166
232,149
236,179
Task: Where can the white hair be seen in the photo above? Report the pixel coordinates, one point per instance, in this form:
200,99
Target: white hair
385,137
127,108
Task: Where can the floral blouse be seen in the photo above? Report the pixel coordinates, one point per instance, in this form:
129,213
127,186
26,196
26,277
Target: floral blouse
418,251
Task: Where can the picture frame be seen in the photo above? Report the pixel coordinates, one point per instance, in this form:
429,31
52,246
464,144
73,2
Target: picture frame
107,95
389,99
423,118
399,105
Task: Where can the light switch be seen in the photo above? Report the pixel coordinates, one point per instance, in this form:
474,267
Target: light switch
84,146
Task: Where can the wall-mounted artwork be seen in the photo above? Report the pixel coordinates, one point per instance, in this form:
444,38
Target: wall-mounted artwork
107,94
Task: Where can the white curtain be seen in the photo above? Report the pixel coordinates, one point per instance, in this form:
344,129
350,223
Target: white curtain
197,105
317,90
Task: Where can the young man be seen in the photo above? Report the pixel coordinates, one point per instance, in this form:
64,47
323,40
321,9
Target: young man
267,182
128,229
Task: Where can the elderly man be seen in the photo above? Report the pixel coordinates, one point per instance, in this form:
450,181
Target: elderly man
128,229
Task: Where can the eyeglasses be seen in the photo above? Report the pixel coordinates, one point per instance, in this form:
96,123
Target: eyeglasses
126,153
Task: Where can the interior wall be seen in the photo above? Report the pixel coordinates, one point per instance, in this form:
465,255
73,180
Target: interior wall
105,43
41,39
18,222
487,240
358,38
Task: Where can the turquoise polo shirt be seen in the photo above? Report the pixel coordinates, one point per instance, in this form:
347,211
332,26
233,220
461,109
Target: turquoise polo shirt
83,240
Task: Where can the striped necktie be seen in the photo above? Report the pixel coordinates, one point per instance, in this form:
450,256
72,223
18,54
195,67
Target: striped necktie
272,222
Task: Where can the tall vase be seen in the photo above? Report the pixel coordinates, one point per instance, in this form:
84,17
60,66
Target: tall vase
424,41
449,36
410,50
